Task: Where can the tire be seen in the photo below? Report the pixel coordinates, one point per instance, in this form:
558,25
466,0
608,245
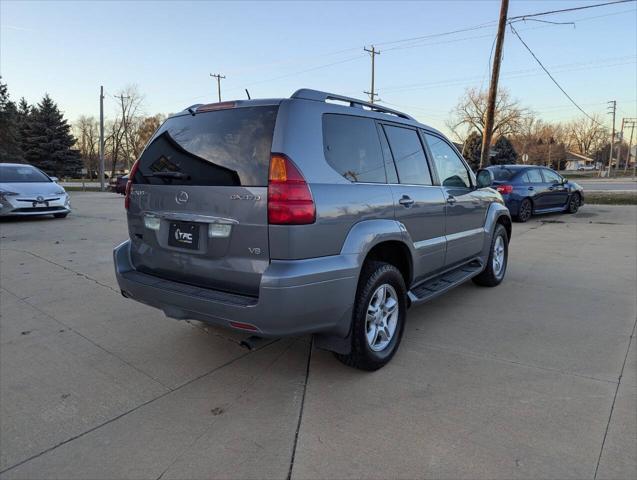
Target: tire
370,348
60,215
574,203
525,211
494,272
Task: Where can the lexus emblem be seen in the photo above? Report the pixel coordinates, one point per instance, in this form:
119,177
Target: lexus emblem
40,199
181,197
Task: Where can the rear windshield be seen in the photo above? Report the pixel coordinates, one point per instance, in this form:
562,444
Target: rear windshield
223,148
503,174
21,174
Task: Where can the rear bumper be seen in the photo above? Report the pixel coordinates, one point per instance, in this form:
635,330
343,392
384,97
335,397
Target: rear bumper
295,297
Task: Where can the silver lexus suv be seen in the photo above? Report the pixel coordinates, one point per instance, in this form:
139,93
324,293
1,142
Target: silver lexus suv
316,214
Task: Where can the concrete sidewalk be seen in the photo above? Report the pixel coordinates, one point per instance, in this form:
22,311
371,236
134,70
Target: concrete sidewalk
534,379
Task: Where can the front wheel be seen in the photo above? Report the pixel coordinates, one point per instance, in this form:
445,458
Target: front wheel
379,317
496,266
573,203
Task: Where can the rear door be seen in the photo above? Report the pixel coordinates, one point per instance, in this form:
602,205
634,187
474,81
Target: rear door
198,209
419,205
466,207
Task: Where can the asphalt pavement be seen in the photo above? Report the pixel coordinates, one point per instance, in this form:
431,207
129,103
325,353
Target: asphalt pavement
536,378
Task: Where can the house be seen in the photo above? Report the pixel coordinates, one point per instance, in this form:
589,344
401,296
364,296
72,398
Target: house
576,161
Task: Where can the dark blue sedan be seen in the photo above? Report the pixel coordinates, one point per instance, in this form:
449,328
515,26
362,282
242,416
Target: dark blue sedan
531,189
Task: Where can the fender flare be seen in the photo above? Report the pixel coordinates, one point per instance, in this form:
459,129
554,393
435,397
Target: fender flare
365,235
494,213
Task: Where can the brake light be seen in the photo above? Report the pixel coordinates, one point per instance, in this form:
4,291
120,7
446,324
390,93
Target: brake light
129,184
290,200
211,107
504,189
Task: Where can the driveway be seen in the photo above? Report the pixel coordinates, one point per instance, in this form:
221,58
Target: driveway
535,378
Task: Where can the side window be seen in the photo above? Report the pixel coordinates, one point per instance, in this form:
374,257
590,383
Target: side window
409,155
451,169
550,176
534,176
352,148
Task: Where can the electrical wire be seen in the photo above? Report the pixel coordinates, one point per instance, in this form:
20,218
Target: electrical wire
551,76
572,9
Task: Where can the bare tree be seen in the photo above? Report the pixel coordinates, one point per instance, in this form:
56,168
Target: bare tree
130,103
469,114
586,135
141,131
86,130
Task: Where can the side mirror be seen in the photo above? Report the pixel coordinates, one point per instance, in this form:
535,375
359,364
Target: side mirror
55,179
484,178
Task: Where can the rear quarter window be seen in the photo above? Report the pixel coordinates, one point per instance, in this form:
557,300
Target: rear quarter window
220,148
352,148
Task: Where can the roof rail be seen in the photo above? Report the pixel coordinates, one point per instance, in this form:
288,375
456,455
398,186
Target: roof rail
317,95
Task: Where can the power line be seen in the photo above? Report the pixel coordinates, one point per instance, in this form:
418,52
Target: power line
551,76
572,9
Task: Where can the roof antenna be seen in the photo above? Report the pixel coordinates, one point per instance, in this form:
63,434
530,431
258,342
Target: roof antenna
248,94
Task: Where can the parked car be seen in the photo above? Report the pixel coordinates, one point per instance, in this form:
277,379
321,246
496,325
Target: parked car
299,215
26,190
118,185
531,189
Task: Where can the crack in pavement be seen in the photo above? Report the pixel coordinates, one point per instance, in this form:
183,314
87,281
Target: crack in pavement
121,415
226,407
64,267
298,425
92,342
612,407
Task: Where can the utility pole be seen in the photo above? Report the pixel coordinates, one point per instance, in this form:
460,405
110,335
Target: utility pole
493,86
632,123
612,105
101,167
372,93
621,139
123,97
219,77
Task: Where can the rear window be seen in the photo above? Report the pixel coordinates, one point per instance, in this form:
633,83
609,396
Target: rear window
221,148
503,174
352,148
21,174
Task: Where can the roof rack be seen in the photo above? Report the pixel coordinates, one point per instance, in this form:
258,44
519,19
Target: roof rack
317,95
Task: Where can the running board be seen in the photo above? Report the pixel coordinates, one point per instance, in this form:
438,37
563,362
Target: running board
438,285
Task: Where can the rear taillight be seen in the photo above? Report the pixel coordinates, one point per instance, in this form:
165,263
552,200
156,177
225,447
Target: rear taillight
504,189
290,200
129,184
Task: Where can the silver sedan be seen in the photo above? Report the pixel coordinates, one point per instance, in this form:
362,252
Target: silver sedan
26,190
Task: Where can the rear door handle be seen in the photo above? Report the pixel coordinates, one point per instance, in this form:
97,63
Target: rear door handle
451,199
406,201
531,188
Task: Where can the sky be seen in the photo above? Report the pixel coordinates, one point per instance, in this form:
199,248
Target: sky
168,50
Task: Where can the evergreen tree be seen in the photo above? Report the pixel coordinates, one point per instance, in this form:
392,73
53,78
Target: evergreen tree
472,149
48,141
10,150
24,113
505,153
